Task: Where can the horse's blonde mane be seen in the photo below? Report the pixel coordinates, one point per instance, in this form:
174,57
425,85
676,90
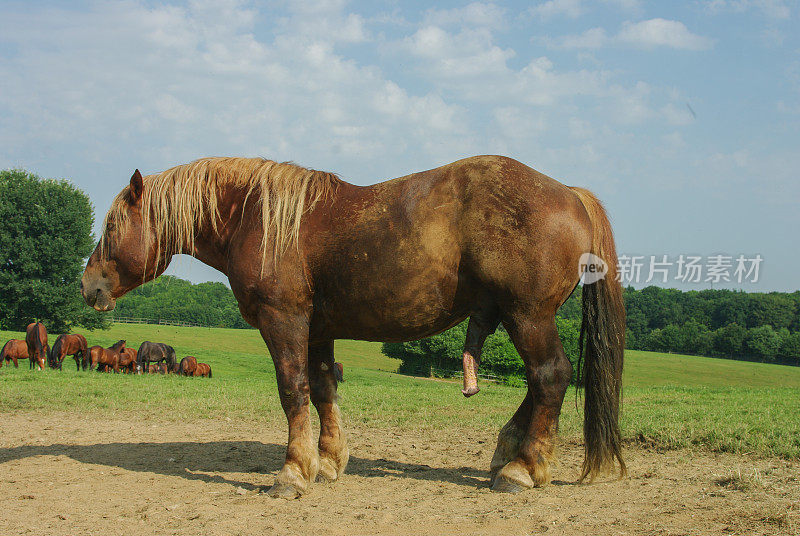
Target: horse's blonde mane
176,202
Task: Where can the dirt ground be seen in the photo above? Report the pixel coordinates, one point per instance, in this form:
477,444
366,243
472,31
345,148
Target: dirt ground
70,475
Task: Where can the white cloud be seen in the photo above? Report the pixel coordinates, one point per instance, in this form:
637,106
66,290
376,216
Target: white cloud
476,14
662,32
468,53
647,34
591,38
575,8
551,8
774,9
162,85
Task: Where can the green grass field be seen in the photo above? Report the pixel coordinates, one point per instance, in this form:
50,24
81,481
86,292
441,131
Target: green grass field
671,401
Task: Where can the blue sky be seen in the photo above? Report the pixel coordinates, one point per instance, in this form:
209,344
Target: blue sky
684,117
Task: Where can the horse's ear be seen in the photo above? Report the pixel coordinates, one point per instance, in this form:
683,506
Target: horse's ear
137,187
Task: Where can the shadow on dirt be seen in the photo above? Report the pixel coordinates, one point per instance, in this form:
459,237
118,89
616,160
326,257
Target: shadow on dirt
200,460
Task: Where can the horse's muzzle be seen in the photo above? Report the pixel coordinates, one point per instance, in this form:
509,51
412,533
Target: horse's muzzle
96,294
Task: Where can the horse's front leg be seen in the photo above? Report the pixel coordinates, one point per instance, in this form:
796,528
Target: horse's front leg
333,451
286,335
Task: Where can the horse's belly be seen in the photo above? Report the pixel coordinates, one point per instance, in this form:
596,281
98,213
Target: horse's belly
410,305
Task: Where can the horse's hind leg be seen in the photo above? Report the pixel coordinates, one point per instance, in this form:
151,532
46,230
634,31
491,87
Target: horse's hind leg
333,451
548,372
482,323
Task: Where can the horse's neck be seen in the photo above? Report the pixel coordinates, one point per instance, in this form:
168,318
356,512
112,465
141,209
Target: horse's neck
211,241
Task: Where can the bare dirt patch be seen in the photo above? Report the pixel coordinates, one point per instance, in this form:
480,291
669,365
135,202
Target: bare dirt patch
72,474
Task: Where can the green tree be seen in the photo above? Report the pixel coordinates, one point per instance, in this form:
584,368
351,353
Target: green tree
728,340
762,342
172,298
442,353
790,347
45,235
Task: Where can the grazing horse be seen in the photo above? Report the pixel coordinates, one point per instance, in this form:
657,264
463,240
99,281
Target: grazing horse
106,359
70,344
311,258
155,352
187,366
13,350
127,360
203,370
157,368
36,339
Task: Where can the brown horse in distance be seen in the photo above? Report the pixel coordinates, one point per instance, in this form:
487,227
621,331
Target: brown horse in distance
106,358
187,366
203,370
311,258
159,368
127,360
36,339
13,350
70,344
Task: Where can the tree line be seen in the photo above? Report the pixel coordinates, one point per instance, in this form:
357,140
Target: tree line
715,323
171,298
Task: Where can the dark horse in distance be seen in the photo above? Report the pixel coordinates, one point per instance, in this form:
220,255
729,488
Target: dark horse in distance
70,344
36,339
312,258
155,352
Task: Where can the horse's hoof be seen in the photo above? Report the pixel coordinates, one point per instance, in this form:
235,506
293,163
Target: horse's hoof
327,471
279,490
504,485
512,478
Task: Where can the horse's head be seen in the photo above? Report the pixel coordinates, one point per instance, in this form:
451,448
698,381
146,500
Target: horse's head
127,254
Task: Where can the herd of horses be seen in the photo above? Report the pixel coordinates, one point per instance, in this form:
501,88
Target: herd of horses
151,358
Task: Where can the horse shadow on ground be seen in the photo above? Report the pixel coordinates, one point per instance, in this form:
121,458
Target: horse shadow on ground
196,460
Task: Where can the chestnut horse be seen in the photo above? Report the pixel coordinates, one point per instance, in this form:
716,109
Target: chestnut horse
311,258
36,339
14,350
127,360
106,359
187,366
203,370
70,344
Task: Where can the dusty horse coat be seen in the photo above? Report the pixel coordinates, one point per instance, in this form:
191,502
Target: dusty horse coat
311,259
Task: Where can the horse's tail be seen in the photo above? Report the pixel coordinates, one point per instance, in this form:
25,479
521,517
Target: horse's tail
38,342
602,344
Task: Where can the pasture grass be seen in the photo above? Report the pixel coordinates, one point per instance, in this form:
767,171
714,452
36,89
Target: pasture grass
670,401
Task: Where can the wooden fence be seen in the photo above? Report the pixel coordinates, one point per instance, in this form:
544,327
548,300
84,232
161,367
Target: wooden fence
158,321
